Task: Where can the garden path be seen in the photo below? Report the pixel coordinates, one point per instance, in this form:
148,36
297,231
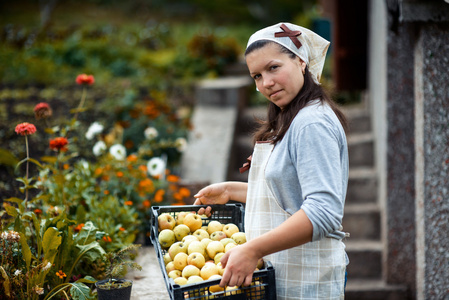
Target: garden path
148,283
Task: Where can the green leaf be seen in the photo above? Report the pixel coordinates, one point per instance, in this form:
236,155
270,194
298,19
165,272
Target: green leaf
80,291
26,252
37,163
91,251
7,158
11,210
87,234
6,285
49,159
50,243
87,279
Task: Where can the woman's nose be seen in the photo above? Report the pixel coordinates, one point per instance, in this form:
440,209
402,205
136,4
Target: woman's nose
268,82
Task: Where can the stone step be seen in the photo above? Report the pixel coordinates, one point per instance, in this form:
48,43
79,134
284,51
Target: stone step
362,186
365,259
361,149
360,289
362,221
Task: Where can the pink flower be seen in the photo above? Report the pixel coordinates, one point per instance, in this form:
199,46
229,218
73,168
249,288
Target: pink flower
25,128
84,79
42,111
59,144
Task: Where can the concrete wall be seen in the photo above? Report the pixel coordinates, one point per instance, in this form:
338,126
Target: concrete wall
432,161
377,95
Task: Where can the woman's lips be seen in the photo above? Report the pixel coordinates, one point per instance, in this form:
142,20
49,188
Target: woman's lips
274,94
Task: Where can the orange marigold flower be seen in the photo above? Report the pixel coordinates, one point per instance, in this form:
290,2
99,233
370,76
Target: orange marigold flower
38,211
185,192
146,185
84,79
119,174
66,166
42,111
79,227
128,202
146,203
59,144
61,274
143,168
98,171
132,158
122,229
159,196
172,178
106,192
105,177
178,196
107,239
25,128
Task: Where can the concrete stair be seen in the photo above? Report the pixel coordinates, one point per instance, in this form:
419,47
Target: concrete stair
362,213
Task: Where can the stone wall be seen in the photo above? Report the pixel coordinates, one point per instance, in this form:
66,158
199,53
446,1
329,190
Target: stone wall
432,168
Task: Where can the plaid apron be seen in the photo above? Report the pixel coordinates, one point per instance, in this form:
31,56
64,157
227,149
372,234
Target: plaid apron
315,270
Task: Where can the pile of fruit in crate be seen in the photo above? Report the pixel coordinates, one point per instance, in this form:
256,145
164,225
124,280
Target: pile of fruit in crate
193,250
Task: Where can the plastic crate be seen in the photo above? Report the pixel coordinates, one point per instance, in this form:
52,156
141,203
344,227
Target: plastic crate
263,285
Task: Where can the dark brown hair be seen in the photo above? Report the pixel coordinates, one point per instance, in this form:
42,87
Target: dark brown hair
278,121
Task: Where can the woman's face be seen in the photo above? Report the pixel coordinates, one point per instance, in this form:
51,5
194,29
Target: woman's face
277,76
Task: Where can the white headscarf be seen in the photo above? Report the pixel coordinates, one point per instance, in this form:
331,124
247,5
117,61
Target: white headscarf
306,44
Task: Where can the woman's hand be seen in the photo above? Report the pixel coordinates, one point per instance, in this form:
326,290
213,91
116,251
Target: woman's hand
240,263
212,194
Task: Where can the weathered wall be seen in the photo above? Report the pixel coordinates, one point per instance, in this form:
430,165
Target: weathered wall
400,201
435,109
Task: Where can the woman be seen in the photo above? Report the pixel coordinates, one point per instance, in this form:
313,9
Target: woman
298,172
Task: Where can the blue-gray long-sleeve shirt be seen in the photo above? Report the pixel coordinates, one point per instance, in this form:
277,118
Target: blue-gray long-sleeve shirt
308,169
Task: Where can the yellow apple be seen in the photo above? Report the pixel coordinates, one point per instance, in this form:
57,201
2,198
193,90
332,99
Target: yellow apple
196,246
181,231
215,288
232,290
260,264
229,247
208,270
229,229
214,226
193,221
188,239
180,217
201,234
170,267
167,258
205,242
196,259
175,274
213,248
239,237
177,248
217,236
166,221
194,279
218,257
190,270
180,261
166,238
180,280
226,241
220,268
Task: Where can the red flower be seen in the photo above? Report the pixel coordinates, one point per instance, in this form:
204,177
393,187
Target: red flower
84,79
25,129
59,144
42,111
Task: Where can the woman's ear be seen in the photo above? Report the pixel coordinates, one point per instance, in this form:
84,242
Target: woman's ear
303,66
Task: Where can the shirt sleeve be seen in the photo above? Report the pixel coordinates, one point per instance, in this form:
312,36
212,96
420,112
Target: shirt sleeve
316,154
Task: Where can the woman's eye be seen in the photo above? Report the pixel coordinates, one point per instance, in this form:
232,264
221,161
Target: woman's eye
273,67
256,76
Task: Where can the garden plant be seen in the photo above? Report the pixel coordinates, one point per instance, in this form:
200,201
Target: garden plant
77,211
